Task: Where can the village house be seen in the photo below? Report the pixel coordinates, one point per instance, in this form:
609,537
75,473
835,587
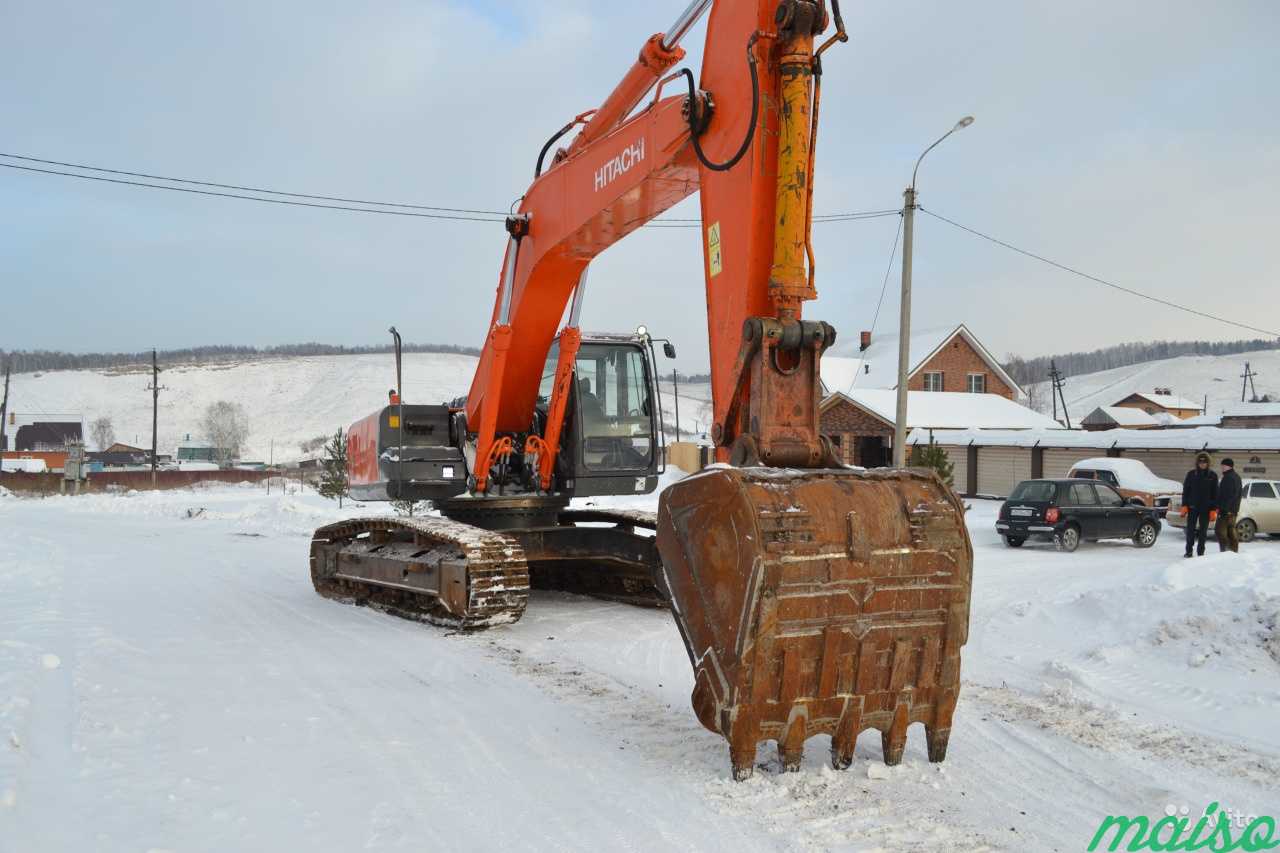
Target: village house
1161,400
860,422
943,359
954,383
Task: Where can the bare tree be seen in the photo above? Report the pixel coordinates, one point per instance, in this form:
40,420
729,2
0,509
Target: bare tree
103,432
226,426
1036,396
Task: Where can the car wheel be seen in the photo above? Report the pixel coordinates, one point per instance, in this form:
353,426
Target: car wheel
1246,529
1069,539
1146,535
1014,541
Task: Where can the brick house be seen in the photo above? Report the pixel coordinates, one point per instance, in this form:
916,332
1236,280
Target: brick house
945,358
860,423
1161,400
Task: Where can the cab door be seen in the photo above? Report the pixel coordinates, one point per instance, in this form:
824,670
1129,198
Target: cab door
617,424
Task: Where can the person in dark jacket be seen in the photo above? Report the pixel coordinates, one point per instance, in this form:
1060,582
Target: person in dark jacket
1229,491
1199,501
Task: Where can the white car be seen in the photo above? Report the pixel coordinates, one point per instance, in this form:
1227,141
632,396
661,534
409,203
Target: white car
1259,509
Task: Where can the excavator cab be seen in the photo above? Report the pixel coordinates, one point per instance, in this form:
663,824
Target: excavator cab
612,443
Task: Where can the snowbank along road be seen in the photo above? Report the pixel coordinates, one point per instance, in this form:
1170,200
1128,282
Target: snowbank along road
169,681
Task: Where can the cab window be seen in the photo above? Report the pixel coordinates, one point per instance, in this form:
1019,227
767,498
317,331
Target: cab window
613,398
1108,477
1083,474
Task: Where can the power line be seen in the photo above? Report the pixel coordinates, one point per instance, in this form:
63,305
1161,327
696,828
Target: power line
250,197
479,215
1101,281
893,254
248,189
844,217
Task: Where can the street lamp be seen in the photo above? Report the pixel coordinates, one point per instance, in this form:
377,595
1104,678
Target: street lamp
904,317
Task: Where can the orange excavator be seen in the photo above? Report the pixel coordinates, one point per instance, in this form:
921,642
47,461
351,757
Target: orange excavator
812,598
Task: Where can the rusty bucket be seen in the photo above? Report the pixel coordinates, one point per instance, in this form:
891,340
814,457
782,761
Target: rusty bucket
818,602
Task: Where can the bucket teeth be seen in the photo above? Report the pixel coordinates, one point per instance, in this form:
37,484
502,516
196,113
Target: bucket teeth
937,741
791,746
818,602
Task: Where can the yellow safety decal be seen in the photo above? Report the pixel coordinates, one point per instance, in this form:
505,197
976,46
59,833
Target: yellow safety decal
713,248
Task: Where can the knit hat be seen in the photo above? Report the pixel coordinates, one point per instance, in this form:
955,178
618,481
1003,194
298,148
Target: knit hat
1203,457
1228,463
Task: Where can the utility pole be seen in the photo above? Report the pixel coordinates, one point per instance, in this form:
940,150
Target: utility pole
1247,376
675,384
904,316
1058,381
155,389
4,407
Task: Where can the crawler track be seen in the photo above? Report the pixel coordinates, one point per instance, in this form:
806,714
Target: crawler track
429,569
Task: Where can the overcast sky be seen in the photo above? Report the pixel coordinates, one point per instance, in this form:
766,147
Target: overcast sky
1139,141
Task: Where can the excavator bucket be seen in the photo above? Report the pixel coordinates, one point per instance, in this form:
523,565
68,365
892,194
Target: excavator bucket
818,602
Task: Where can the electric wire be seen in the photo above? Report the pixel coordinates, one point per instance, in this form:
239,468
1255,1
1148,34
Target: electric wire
254,198
1101,281
893,256
240,188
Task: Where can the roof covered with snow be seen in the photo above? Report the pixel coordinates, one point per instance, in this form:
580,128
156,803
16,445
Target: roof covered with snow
1199,438
846,368
1166,401
946,409
1122,415
1252,410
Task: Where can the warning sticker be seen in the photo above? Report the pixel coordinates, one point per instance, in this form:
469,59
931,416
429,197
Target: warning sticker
714,260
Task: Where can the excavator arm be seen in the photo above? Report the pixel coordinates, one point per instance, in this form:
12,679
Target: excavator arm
744,138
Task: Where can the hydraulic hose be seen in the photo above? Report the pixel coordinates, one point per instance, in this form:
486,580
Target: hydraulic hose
695,118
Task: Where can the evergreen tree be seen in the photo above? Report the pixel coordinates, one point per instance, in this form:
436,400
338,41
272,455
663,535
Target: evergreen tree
333,478
932,455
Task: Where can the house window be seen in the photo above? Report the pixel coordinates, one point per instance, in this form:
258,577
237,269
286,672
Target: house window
933,380
977,383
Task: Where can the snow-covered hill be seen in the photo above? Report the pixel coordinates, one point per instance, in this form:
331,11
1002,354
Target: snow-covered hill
1190,376
288,400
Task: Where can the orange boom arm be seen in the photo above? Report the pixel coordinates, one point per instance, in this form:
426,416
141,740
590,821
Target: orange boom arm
618,173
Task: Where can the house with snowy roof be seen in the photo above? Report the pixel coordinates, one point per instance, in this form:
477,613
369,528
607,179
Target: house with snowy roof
1161,400
943,359
860,422
1124,417
954,383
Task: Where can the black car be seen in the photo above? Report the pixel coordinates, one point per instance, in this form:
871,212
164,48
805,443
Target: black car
1067,511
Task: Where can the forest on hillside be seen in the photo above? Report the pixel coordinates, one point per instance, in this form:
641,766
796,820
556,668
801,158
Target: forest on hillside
28,361
1028,370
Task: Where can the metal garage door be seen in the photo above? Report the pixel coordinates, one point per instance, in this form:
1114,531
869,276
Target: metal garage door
1002,468
1170,464
958,456
1058,462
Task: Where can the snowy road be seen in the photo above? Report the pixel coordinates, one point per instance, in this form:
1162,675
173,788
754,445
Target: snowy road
173,683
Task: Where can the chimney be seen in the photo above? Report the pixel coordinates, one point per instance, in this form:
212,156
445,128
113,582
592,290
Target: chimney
865,341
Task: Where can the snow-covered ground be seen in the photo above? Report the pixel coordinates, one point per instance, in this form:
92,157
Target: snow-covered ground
1192,376
169,681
